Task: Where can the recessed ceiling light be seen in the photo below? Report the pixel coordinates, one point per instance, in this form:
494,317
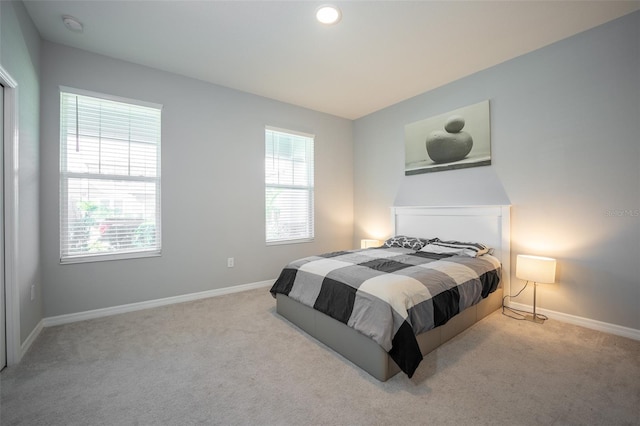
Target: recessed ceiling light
72,23
328,14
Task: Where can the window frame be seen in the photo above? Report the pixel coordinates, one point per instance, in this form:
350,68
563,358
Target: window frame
65,176
310,188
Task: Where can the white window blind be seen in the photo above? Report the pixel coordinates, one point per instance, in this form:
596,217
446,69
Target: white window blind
288,186
109,177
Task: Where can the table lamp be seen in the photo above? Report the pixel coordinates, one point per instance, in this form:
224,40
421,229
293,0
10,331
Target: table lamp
369,243
539,270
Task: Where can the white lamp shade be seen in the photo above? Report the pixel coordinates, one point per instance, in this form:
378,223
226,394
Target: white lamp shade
535,268
369,243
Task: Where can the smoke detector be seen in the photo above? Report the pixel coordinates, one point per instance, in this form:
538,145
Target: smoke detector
72,23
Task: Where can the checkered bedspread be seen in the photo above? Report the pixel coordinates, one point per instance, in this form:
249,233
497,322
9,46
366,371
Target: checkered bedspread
390,294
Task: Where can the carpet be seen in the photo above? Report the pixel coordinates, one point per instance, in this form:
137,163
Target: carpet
231,360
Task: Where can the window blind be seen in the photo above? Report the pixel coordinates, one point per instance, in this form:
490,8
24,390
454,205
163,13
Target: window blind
289,186
109,178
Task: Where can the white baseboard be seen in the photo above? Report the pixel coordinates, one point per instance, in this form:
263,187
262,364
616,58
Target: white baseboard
606,327
115,310
24,347
618,330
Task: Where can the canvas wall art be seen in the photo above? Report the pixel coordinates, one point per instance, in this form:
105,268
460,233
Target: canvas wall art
454,140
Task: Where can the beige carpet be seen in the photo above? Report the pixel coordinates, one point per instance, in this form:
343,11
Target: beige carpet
233,360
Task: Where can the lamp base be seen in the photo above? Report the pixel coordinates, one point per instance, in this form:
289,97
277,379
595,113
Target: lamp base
534,318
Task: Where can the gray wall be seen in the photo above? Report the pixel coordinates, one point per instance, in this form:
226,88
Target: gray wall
212,185
564,123
566,154
19,56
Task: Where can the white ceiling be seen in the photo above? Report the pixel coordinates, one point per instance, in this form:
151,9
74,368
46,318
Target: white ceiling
382,52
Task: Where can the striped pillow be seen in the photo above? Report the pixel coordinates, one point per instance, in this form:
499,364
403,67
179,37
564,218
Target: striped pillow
456,248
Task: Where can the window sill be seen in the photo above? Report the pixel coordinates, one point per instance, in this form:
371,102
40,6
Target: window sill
284,242
109,257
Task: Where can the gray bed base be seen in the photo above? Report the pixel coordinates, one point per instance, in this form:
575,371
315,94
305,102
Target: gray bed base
363,351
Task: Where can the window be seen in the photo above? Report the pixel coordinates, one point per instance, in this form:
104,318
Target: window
288,186
109,177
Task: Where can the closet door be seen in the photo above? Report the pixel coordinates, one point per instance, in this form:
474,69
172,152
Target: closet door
3,319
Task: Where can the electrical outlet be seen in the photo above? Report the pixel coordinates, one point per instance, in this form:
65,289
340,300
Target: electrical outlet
230,262
33,292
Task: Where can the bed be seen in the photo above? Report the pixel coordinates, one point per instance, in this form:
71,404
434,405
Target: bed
356,315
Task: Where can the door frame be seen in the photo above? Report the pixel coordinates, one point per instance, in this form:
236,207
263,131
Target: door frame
12,293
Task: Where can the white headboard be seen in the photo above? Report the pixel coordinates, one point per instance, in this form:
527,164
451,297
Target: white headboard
489,225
